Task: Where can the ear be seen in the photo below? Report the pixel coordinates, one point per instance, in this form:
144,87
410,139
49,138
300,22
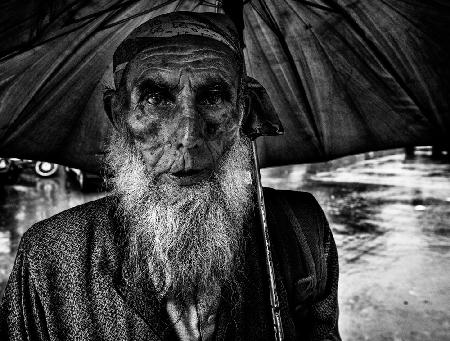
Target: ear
109,101
260,117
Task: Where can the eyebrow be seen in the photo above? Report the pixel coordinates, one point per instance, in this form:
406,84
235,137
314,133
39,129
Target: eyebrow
214,82
156,82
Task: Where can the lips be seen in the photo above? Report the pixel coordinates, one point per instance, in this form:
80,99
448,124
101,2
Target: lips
190,172
189,177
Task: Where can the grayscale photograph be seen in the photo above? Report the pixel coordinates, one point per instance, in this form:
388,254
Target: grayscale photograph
221,170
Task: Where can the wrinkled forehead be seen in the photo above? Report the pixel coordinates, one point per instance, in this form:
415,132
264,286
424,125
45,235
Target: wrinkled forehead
198,56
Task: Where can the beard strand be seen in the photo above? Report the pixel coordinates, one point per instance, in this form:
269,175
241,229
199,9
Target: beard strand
184,239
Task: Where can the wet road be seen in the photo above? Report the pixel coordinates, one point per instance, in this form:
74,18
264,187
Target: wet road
391,222
390,218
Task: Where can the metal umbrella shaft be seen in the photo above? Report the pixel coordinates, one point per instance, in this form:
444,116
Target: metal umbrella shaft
274,301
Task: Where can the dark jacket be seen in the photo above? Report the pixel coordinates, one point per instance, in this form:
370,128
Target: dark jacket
70,282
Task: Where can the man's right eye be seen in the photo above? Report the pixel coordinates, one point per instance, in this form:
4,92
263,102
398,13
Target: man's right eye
156,98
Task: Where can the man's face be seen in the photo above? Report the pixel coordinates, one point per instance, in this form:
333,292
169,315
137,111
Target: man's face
183,111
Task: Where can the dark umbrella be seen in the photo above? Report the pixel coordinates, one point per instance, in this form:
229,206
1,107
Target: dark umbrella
344,76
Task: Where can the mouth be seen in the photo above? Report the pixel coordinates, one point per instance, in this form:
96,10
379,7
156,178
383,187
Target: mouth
189,177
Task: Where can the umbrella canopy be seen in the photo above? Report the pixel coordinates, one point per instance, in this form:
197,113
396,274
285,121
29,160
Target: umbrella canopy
344,76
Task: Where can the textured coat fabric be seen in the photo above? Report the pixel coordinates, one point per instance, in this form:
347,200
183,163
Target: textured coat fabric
70,282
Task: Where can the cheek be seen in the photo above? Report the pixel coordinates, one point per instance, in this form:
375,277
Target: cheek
225,132
221,125
144,129
153,137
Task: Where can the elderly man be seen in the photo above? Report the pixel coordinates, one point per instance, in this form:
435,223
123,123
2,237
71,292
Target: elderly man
176,253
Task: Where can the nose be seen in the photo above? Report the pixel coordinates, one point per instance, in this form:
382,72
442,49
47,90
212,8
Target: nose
189,128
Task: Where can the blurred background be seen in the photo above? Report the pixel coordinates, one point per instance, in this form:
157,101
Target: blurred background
389,212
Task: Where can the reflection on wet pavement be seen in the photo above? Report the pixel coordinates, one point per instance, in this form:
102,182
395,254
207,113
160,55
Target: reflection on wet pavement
391,222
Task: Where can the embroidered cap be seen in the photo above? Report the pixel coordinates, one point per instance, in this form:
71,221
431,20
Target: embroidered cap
216,26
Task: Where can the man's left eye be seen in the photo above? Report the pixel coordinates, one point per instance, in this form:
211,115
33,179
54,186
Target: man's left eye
213,97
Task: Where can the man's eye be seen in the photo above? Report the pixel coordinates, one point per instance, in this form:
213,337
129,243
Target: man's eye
156,98
213,97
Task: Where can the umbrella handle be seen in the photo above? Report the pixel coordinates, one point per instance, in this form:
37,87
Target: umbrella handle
274,302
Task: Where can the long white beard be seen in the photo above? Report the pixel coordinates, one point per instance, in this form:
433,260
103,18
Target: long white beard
190,239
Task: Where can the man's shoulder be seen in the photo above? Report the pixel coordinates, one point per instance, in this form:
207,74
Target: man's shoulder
301,240
298,212
68,229
302,203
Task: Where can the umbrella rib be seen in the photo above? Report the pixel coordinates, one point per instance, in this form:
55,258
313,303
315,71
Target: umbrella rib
291,61
109,9
383,59
302,124
104,27
137,15
322,7
13,125
29,44
345,89
342,86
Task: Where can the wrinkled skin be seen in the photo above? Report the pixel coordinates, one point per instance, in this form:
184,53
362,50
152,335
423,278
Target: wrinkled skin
182,107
